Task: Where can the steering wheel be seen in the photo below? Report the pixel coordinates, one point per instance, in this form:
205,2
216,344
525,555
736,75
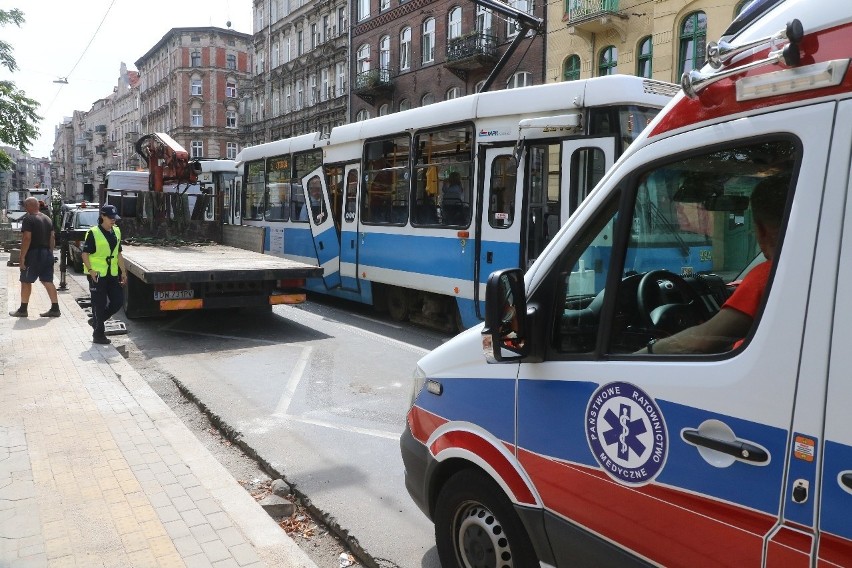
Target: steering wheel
666,302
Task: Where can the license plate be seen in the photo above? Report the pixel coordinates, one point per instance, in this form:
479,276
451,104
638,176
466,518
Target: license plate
174,295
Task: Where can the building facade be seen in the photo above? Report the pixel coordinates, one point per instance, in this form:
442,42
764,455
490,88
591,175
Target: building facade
91,143
412,53
300,77
189,89
659,40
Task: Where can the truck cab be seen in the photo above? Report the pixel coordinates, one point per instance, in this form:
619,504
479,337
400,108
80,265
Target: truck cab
603,415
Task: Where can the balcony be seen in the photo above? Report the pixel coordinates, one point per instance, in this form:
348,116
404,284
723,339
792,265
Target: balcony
372,83
594,16
80,142
473,51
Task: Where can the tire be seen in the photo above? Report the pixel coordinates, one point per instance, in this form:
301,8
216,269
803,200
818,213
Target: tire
476,526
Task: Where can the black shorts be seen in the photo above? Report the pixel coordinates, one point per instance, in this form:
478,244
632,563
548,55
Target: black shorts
39,263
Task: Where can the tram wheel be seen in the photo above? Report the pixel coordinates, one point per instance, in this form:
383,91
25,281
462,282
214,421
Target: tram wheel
398,304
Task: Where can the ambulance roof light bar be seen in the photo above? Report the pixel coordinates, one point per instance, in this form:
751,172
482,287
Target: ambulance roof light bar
695,81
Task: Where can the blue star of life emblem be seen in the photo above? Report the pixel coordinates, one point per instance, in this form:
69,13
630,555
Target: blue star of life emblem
626,433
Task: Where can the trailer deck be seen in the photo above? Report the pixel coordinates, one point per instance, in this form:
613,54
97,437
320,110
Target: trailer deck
210,263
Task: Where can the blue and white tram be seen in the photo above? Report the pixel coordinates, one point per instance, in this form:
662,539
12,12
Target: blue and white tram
411,212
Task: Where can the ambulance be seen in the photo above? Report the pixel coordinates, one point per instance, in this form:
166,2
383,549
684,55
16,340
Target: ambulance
614,410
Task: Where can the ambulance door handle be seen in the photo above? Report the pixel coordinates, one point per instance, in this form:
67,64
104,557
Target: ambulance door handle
846,479
739,449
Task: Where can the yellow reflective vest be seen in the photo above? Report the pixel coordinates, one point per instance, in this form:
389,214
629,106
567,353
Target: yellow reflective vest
103,258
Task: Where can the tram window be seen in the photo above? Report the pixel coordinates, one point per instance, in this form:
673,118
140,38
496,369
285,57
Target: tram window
543,198
305,163
501,198
254,190
279,202
443,180
277,180
351,194
297,203
632,121
386,179
588,165
334,177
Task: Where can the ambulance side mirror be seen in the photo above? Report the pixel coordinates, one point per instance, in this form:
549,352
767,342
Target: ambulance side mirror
504,335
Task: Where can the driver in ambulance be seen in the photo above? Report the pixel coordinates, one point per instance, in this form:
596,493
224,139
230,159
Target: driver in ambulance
734,319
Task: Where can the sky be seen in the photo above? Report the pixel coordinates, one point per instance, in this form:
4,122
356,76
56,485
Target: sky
54,42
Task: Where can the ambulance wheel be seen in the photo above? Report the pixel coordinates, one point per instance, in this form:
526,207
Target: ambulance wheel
476,526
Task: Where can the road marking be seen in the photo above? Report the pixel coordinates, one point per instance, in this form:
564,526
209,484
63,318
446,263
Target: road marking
293,381
352,429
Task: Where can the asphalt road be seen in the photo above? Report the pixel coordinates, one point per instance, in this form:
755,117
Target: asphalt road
320,394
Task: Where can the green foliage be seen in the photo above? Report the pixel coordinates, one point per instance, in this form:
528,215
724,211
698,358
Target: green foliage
16,17
18,118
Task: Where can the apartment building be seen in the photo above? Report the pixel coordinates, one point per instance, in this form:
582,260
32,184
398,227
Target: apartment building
91,143
660,39
189,89
300,77
412,53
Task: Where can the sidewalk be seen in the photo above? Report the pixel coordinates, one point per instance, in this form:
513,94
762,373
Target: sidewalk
96,471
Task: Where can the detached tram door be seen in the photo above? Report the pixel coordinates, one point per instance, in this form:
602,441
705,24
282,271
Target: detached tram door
558,177
323,230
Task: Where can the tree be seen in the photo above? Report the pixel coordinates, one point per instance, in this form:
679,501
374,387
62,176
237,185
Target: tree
18,118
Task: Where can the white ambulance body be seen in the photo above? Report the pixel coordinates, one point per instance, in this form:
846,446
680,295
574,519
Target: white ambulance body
589,422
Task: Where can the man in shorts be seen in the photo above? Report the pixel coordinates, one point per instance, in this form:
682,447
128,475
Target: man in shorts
37,243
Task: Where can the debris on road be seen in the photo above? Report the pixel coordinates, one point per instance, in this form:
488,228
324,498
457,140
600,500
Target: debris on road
346,560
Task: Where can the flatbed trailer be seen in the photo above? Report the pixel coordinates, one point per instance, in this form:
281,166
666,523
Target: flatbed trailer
162,279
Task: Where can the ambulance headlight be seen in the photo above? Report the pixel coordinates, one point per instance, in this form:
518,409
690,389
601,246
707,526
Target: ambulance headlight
419,379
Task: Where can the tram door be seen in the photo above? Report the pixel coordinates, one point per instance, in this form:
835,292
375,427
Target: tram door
322,225
233,201
498,229
349,229
559,176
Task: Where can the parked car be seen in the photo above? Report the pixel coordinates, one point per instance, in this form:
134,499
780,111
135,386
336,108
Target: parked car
78,217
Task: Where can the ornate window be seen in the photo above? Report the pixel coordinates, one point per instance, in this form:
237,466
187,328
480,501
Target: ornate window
693,41
645,52
454,23
405,49
521,79
608,61
427,54
571,68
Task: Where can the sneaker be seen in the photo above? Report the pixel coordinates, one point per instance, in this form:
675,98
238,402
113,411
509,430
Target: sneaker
51,314
101,340
19,313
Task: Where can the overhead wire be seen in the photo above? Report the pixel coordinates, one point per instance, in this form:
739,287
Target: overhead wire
85,49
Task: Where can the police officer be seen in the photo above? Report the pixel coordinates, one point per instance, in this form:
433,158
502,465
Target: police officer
104,264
